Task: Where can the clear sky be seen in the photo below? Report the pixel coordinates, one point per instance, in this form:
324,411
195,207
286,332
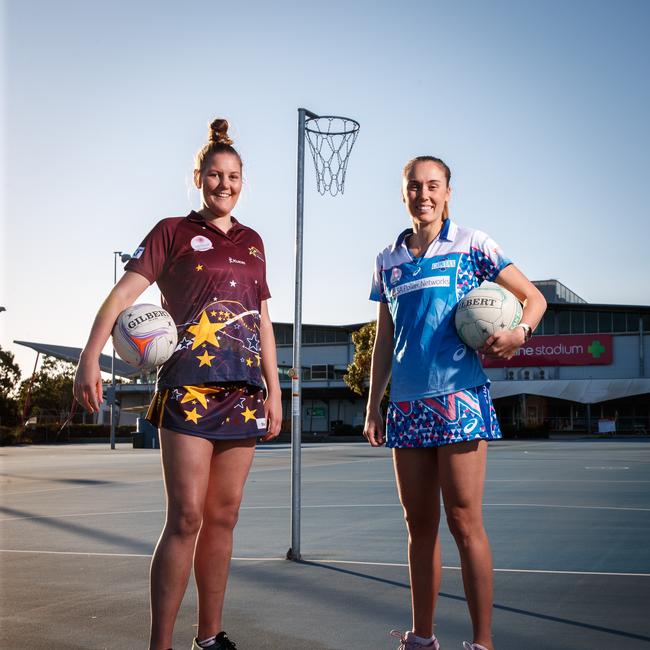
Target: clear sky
540,109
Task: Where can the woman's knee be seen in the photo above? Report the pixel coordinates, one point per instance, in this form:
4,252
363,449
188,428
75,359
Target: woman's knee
464,525
224,516
184,521
421,523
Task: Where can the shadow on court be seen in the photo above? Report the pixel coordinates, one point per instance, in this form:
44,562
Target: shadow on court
567,520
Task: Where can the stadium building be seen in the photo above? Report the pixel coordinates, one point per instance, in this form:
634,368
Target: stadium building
587,368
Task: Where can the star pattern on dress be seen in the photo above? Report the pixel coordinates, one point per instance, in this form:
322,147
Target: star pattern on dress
205,359
199,393
199,267
240,404
192,415
176,394
233,283
253,342
184,343
248,414
249,362
204,330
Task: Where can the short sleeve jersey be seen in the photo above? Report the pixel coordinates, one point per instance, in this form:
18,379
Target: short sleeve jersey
429,358
212,283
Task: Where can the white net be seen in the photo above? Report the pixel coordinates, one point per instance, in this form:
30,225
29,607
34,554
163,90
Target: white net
331,140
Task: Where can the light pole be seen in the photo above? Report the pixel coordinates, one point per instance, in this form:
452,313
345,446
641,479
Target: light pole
124,258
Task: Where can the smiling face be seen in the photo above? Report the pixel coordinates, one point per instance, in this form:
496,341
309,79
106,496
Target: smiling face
220,183
425,191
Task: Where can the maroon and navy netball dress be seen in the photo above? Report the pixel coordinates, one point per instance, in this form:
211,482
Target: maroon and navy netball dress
439,391
212,283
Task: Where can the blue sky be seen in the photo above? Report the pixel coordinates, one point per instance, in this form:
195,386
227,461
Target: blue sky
540,109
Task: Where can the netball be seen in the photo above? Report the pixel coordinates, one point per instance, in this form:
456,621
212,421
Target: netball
484,311
144,336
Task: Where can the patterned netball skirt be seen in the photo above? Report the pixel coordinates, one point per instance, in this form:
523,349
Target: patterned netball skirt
213,411
435,421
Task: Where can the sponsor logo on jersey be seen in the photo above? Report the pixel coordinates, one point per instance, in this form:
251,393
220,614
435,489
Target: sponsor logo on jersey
470,426
460,352
201,243
232,260
395,275
137,254
424,283
255,252
444,264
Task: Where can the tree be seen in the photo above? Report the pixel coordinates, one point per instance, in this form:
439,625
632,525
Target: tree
9,380
51,390
358,374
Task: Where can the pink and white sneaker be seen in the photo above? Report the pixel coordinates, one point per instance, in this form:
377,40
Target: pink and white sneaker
408,641
473,646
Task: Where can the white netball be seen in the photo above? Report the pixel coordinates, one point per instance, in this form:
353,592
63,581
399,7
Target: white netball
484,311
144,336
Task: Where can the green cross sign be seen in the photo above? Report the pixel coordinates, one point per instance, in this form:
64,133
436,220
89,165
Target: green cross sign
596,349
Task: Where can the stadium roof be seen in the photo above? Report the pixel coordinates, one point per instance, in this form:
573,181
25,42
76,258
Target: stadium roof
585,391
66,353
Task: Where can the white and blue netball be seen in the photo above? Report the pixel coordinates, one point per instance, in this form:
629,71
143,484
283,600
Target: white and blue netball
144,336
484,311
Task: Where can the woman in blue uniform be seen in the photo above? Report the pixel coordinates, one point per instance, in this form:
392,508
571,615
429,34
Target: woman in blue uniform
440,415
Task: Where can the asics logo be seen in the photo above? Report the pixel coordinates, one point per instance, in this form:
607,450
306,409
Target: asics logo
460,353
470,426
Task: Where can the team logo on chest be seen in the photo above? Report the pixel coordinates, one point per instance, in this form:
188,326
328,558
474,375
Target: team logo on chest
255,252
201,243
395,275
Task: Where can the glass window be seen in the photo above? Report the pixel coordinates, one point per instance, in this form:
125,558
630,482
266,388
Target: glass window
547,326
618,318
591,321
319,372
632,323
604,321
577,322
564,322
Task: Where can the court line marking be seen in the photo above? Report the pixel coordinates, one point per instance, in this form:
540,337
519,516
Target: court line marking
325,561
317,506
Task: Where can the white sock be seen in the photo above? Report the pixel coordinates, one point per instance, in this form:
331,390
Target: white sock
210,641
423,640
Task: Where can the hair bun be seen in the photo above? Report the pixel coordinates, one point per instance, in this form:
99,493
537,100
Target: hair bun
219,132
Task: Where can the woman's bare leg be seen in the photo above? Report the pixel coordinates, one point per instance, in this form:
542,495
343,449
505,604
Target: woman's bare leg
416,471
231,462
462,475
186,467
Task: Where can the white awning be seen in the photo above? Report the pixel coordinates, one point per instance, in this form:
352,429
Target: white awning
586,391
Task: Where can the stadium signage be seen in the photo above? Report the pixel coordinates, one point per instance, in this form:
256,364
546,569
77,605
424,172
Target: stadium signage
568,350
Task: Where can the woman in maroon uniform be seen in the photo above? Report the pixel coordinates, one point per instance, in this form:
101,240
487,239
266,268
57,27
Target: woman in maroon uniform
210,404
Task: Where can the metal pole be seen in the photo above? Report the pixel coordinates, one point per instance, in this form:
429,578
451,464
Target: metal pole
113,423
296,423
